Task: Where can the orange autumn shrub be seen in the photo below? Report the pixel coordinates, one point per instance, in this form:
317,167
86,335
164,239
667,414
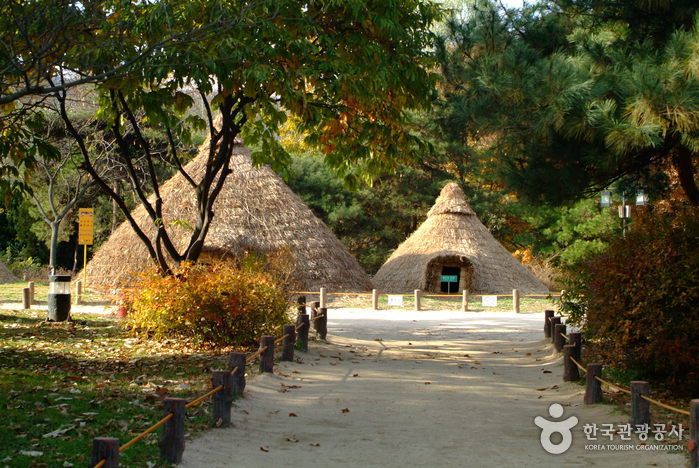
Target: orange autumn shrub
638,299
220,303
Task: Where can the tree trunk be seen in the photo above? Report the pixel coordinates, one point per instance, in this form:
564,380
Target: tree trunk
115,206
682,160
53,248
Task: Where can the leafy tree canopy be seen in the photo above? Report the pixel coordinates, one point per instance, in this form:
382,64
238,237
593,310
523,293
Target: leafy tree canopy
568,97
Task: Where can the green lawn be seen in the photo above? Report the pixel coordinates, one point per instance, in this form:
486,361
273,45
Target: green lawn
89,379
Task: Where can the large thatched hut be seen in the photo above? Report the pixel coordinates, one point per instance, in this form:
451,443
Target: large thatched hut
255,212
6,275
452,251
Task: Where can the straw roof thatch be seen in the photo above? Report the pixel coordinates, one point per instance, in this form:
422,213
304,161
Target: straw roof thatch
255,212
453,236
6,275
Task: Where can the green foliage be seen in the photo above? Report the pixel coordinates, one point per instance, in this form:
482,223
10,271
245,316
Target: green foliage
217,303
560,100
637,299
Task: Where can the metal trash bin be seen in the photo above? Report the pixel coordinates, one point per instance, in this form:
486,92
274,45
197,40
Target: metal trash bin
59,298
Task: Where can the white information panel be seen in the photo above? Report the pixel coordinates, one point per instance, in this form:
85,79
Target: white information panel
490,301
395,300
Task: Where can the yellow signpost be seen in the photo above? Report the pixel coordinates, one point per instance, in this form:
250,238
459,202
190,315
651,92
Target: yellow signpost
86,234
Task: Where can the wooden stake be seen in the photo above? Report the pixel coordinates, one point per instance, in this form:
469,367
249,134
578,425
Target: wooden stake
171,442
288,342
105,448
223,399
570,370
640,408
303,331
375,299
464,301
559,338
322,323
593,387
26,298
416,294
548,315
267,356
555,320
515,301
237,360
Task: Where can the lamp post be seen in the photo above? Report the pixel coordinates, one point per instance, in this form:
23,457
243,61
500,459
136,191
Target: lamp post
624,209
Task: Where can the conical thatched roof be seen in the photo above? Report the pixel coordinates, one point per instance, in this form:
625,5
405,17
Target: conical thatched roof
254,212
453,237
6,275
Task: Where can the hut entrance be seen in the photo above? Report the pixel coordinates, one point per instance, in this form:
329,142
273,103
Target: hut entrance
449,279
448,274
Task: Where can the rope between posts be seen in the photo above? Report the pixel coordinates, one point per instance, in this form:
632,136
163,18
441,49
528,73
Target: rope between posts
318,317
280,339
254,356
235,369
666,406
622,389
101,463
300,326
203,397
146,432
564,336
580,366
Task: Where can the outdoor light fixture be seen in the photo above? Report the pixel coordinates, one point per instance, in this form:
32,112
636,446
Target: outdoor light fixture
59,298
641,198
605,199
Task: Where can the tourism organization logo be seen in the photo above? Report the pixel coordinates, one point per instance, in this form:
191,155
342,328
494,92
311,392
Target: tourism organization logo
549,428
604,436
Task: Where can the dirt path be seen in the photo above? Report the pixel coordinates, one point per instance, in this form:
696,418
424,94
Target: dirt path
422,389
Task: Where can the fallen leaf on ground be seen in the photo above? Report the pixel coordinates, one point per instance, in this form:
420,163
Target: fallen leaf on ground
292,415
264,448
345,410
292,439
355,375
314,445
528,354
547,372
428,383
541,389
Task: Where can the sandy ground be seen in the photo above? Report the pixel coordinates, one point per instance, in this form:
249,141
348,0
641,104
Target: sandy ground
414,389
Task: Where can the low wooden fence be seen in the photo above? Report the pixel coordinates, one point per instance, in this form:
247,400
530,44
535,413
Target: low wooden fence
570,344
226,385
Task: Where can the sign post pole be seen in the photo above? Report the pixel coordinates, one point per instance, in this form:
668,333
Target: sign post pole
86,234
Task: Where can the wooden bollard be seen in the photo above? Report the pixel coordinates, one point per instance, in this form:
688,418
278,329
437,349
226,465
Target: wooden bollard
301,300
323,298
237,360
78,292
302,338
289,331
548,315
515,301
559,340
575,339
223,399
416,295
375,299
694,433
301,309
555,320
105,448
26,298
593,387
171,442
267,356
640,408
570,370
464,301
30,285
322,323
314,315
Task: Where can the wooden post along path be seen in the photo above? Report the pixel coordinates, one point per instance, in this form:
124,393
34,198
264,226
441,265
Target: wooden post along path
171,442
303,323
375,299
237,360
593,387
223,399
464,301
289,333
267,355
515,301
548,315
105,448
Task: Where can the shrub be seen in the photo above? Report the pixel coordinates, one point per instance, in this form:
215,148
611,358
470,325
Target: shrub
219,303
639,298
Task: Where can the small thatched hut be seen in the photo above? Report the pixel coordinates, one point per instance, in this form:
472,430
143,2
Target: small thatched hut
6,275
452,251
255,212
